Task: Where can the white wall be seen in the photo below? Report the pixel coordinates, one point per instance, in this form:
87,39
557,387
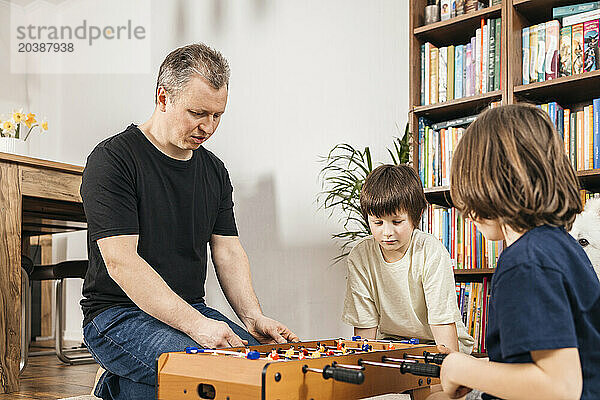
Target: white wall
306,75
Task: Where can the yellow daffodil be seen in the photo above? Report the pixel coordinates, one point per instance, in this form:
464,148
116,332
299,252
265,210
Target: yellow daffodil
44,125
18,117
8,126
30,120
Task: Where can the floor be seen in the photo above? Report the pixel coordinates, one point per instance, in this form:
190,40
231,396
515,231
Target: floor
45,378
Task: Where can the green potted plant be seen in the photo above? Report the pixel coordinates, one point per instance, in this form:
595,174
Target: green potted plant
341,180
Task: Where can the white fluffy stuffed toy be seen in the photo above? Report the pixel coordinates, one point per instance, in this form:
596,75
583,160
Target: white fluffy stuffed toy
586,230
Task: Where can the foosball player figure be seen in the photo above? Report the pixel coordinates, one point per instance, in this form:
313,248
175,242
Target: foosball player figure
302,353
289,353
366,346
343,348
339,344
391,346
321,347
316,354
273,354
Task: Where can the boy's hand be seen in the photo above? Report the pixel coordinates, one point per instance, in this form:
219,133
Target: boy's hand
450,367
443,349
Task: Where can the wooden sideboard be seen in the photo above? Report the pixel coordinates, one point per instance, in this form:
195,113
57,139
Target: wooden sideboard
36,197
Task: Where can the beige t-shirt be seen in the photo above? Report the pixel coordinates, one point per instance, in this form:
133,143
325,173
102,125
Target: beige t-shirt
403,298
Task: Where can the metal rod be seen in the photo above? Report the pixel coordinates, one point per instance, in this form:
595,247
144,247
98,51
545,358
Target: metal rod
412,356
305,369
399,359
379,364
349,366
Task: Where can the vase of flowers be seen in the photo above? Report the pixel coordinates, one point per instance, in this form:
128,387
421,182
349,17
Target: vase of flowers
15,131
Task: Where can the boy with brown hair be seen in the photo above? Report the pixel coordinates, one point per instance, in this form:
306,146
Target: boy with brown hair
400,279
511,176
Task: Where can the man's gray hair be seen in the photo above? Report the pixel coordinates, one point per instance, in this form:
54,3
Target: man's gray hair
194,59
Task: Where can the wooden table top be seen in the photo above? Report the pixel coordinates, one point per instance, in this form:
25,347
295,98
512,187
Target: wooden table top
38,162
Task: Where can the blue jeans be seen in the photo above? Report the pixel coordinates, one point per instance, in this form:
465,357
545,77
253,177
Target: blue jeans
126,342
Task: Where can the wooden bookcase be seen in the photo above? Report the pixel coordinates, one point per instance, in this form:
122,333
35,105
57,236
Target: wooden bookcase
570,92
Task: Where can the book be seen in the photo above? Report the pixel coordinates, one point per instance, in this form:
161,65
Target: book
552,39
451,72
596,132
491,54
468,70
445,9
485,56
580,136
581,18
458,71
573,144
565,11
478,50
590,46
567,131
591,136
464,70
454,122
423,102
565,52
443,74
525,48
533,51
433,79
427,68
586,137
497,57
577,49
541,52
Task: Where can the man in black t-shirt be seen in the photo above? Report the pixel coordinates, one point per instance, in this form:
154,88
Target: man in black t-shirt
154,198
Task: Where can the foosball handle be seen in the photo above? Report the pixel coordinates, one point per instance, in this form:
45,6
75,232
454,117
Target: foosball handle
343,374
421,369
434,358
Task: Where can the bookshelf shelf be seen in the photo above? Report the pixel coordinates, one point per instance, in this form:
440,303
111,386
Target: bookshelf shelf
475,271
566,90
447,32
457,108
540,10
589,179
438,195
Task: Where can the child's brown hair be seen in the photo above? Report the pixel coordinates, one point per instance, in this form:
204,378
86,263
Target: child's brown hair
392,188
510,166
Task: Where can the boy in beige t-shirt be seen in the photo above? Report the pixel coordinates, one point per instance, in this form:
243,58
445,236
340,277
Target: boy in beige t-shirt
400,279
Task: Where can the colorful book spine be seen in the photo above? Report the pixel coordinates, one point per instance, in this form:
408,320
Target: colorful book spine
591,136
485,57
533,51
458,71
525,48
491,54
497,56
590,46
443,74
567,131
552,40
565,11
464,71
580,144
423,75
469,71
565,51
573,144
451,72
541,52
577,49
478,50
427,68
433,80
581,18
596,129
586,137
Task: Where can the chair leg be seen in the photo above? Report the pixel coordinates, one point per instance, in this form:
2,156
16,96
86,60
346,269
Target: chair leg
25,319
60,351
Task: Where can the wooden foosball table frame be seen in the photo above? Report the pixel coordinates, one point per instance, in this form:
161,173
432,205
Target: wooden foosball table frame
229,377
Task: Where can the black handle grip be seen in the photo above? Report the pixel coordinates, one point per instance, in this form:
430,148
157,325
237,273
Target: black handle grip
434,358
421,369
343,374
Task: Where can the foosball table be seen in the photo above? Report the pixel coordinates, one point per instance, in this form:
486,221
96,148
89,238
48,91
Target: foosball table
312,370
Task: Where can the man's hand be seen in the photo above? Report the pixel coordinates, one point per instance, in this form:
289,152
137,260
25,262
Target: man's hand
451,366
267,330
215,334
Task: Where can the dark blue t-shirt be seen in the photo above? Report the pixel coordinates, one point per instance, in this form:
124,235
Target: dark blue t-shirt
545,295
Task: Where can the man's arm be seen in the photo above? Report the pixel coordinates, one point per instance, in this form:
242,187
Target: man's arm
553,374
445,335
145,287
233,272
366,333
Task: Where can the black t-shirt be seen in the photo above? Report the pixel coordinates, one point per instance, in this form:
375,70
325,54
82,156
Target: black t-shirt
546,295
129,187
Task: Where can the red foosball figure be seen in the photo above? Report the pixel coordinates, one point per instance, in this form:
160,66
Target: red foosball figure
273,354
391,346
302,353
